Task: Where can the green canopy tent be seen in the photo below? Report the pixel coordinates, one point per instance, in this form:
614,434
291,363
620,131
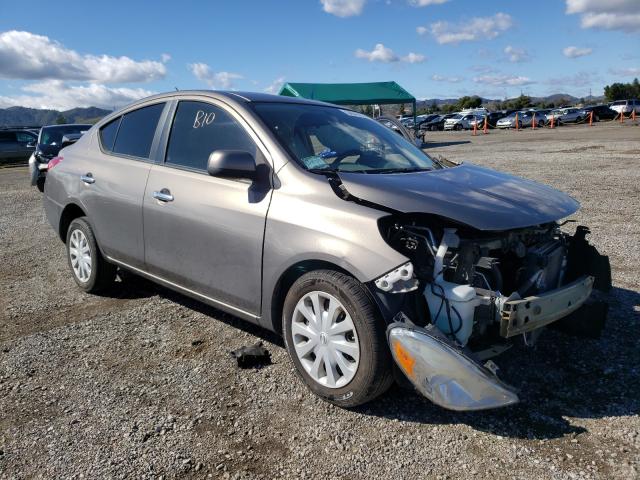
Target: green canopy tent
380,93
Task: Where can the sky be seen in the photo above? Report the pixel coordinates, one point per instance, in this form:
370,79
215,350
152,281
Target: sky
106,54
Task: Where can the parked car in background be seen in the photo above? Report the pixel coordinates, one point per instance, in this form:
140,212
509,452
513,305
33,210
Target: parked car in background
49,142
436,123
16,144
626,106
326,227
460,121
492,119
566,115
524,119
600,112
423,119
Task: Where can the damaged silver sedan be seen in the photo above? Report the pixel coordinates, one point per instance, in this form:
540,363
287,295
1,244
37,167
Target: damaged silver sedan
368,256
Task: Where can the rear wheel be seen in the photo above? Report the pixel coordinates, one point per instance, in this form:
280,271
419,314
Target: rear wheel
90,270
336,338
40,184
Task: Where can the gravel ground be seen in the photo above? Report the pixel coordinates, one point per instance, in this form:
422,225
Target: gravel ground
140,383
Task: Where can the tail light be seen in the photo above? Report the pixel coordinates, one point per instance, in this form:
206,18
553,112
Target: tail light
53,162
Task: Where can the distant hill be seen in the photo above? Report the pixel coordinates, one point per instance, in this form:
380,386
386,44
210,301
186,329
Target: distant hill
15,116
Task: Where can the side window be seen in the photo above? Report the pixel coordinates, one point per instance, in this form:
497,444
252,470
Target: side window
7,137
136,132
24,137
108,134
200,128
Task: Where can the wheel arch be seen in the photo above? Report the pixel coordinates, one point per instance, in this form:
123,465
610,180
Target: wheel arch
68,215
286,279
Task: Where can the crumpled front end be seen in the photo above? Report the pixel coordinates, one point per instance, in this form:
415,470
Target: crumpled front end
458,276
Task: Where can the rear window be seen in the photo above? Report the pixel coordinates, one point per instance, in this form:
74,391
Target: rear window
136,132
619,102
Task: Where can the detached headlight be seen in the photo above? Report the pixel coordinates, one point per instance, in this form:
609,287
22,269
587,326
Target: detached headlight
443,374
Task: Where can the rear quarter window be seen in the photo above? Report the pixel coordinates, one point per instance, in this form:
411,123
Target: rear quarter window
108,134
136,132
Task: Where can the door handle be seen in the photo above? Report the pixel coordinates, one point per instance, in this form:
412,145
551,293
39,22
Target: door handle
88,179
163,195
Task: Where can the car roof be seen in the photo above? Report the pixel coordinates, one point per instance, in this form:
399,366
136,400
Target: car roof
241,97
69,125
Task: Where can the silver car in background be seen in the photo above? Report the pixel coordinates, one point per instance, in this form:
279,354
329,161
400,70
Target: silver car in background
566,115
461,121
525,119
329,228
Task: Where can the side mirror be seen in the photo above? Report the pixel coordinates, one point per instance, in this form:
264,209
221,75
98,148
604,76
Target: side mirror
232,164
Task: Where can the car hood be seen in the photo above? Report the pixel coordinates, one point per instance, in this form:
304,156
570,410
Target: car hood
479,197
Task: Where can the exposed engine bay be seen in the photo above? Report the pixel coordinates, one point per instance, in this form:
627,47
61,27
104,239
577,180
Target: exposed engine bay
474,291
474,282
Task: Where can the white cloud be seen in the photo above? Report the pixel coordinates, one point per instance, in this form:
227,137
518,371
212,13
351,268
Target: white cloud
380,53
424,3
275,86
503,80
422,30
414,58
165,57
580,79
343,8
27,56
575,52
607,14
516,55
216,80
626,72
442,78
59,95
478,28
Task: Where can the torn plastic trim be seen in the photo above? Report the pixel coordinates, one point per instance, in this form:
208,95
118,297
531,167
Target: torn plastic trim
443,373
398,280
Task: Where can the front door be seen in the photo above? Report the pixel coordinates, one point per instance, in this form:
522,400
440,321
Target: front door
201,232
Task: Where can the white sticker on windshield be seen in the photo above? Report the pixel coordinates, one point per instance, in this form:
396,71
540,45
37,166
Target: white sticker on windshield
314,162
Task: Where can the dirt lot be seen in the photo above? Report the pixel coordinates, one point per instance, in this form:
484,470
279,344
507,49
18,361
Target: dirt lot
141,384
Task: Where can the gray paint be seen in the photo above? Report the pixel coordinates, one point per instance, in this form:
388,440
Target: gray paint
228,242
475,196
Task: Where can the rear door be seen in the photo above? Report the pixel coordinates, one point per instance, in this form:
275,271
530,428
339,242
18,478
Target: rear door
207,233
113,176
8,144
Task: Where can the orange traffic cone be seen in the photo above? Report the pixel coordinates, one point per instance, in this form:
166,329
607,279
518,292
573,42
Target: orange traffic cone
475,128
633,115
552,118
591,118
517,123
485,129
533,121
621,116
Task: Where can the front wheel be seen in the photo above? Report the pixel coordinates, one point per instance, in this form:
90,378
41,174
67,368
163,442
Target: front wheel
90,270
336,338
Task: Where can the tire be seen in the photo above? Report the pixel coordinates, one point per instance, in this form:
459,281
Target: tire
457,127
540,124
100,274
373,367
40,184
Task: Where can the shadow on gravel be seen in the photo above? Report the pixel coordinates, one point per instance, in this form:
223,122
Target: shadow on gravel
562,377
442,144
133,286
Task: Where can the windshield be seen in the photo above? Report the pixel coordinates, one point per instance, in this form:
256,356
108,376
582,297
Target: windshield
328,138
53,135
